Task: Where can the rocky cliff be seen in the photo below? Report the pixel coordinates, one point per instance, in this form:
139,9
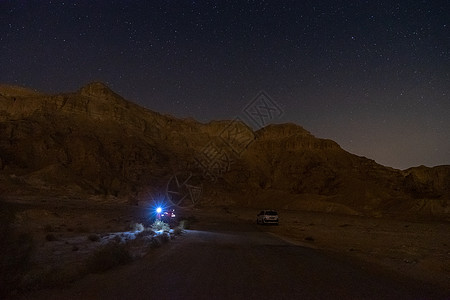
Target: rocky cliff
94,142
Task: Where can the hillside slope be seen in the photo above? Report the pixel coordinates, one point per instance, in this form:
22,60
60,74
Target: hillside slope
94,142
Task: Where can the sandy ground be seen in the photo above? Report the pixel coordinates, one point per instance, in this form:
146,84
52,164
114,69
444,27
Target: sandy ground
65,233
418,249
226,258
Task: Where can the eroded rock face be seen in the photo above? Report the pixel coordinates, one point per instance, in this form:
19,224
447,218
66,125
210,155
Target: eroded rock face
95,142
98,90
17,91
102,143
423,182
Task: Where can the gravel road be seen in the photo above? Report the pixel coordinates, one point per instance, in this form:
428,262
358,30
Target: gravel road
224,258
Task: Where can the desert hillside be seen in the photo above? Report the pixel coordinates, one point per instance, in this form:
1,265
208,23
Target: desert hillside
92,142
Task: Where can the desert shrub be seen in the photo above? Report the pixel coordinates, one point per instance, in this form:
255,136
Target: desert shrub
160,225
165,237
137,227
178,230
182,224
118,239
186,223
108,257
156,242
50,237
144,233
93,237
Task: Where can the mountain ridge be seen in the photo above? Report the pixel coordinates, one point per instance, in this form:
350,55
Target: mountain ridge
95,142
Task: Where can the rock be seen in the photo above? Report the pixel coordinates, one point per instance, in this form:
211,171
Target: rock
95,143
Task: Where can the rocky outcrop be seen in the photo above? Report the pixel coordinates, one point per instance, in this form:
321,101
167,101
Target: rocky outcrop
17,91
93,141
423,182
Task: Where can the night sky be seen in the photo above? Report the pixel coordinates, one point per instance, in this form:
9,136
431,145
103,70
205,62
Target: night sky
370,75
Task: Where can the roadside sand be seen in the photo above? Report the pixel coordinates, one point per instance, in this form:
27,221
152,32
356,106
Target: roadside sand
420,250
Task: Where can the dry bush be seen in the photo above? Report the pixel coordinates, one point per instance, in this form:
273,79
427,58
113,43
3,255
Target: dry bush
160,225
156,242
186,223
93,237
137,227
178,230
117,239
165,237
146,232
183,224
108,257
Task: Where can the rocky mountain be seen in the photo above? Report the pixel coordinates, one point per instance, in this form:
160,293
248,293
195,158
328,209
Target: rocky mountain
92,142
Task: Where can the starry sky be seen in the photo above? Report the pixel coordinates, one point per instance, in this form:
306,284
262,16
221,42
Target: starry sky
371,75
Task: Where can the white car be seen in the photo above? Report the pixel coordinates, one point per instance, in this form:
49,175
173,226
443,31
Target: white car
268,216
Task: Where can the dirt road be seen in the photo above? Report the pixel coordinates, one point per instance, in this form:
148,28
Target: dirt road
233,259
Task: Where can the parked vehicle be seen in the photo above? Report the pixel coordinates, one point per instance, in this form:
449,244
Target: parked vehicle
169,213
267,216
